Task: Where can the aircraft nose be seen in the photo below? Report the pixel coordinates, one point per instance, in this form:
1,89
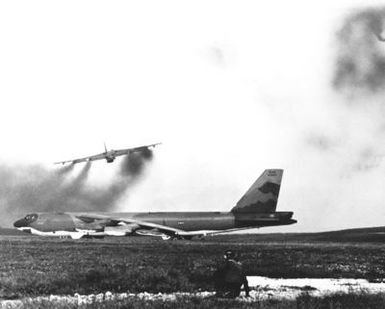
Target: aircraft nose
20,223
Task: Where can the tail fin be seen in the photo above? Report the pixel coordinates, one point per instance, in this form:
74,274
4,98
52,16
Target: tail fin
105,147
262,197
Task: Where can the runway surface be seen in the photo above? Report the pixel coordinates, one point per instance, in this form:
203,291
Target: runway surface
262,288
291,288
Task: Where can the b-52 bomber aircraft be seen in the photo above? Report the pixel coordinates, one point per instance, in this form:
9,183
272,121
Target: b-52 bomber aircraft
255,209
110,155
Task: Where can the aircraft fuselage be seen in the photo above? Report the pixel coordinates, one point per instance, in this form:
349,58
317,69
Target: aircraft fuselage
66,224
110,156
255,209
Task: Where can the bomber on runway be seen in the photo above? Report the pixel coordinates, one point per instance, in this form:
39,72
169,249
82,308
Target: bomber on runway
257,208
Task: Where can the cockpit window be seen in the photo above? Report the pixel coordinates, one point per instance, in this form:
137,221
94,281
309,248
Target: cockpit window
31,218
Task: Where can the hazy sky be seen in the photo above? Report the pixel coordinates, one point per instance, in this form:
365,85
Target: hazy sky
229,87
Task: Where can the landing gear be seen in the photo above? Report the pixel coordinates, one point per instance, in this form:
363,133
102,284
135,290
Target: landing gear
187,237
167,237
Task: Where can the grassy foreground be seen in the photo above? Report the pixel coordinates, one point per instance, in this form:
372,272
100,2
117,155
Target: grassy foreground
33,266
351,301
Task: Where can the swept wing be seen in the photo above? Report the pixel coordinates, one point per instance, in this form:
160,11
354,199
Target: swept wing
121,152
99,156
152,229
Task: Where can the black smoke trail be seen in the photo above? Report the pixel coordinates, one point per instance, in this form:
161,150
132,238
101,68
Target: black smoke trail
34,188
134,163
360,61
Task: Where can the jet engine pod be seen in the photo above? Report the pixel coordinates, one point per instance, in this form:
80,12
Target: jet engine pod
110,159
117,231
153,232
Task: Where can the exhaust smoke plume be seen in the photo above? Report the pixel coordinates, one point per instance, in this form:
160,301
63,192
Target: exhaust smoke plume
359,75
33,188
66,169
360,65
133,164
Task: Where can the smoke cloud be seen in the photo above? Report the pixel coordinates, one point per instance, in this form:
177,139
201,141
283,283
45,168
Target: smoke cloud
360,62
134,163
34,188
359,75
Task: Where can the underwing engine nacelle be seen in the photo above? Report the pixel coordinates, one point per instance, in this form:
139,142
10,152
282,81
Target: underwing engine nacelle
153,232
117,230
110,159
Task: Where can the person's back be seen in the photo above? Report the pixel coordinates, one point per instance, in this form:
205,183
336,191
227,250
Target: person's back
230,277
233,271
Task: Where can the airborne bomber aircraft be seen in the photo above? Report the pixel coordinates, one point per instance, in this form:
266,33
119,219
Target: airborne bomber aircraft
257,208
110,155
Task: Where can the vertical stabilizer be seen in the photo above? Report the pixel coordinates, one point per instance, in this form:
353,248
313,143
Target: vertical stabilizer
262,197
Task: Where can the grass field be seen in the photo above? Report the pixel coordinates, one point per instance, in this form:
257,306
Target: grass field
349,301
34,266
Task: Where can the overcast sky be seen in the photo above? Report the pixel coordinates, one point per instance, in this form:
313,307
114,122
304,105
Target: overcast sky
229,87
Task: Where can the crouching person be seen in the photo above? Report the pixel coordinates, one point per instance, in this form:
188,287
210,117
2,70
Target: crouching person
229,277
